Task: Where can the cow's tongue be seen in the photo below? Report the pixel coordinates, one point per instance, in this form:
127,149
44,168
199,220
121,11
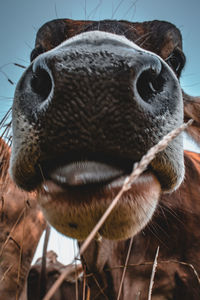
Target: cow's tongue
85,173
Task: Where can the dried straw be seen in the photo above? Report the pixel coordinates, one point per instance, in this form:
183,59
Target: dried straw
125,268
153,274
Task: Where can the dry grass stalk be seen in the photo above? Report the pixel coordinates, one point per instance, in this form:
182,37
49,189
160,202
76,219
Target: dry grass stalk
76,282
191,267
125,267
42,281
153,275
20,257
184,264
101,291
84,283
138,169
6,272
88,294
160,262
12,230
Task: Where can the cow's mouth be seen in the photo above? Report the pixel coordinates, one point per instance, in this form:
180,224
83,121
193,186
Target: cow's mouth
86,173
75,195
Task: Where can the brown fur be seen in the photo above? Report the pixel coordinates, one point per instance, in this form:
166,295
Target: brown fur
174,228
21,226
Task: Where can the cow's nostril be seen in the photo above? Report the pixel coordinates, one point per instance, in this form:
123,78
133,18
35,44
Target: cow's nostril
149,84
41,83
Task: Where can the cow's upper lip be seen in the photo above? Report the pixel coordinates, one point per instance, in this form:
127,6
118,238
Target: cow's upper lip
77,171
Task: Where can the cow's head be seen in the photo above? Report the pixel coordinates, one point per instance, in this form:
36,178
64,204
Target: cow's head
95,98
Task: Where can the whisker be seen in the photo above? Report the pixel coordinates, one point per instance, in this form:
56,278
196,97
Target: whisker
117,8
152,227
42,174
94,10
19,65
172,213
56,13
129,9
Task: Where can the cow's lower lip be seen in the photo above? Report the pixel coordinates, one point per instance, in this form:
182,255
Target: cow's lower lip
75,208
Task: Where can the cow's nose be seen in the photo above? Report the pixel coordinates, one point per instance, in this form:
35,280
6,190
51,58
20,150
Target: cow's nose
146,77
93,64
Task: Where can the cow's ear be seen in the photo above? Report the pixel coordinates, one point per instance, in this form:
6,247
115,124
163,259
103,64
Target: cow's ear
192,111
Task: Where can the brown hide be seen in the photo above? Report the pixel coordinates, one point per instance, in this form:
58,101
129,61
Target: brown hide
21,225
192,111
175,229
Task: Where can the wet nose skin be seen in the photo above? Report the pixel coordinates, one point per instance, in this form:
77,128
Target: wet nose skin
96,93
92,64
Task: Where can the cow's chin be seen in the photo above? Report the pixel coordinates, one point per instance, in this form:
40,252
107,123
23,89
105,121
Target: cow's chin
75,211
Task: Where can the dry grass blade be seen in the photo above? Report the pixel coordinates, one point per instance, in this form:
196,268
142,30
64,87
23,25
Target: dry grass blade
20,257
88,294
76,282
191,267
184,264
66,272
12,230
5,127
84,284
138,169
5,118
6,272
56,284
42,281
125,267
160,262
153,274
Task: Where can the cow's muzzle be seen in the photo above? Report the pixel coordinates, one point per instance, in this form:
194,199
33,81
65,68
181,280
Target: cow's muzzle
97,97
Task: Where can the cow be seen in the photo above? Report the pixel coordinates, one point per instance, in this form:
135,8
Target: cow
96,96
72,285
174,228
21,226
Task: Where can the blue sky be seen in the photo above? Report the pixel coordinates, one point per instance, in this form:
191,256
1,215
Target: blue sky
20,19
